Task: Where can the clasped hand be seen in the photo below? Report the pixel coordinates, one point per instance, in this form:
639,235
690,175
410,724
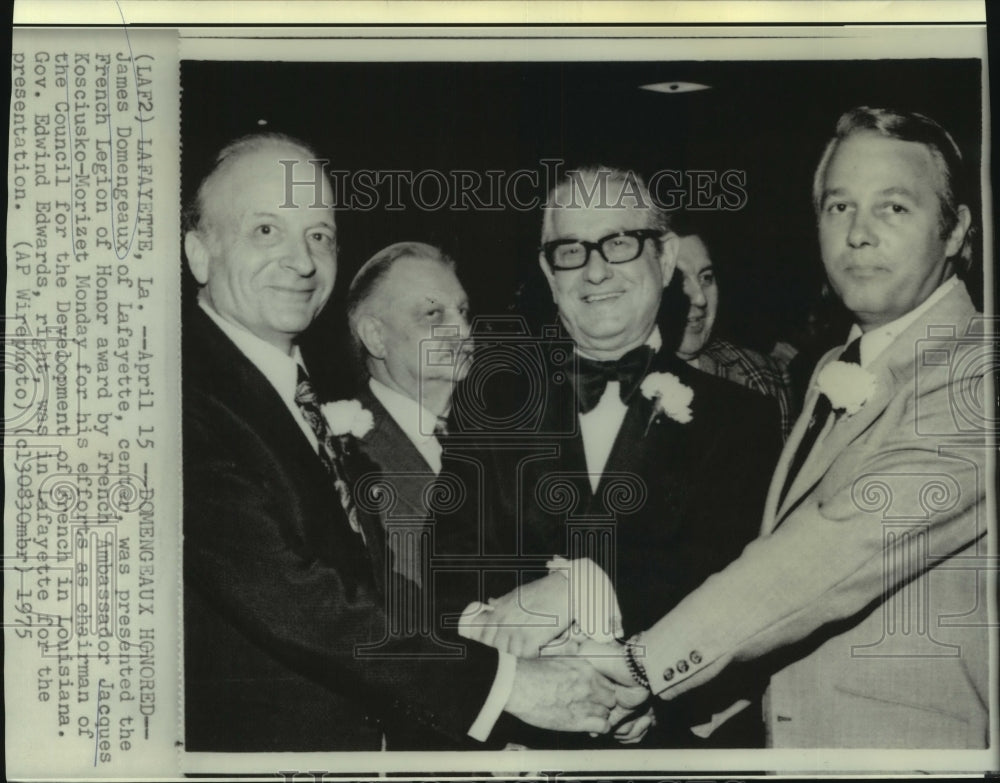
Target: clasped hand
570,694
582,685
524,620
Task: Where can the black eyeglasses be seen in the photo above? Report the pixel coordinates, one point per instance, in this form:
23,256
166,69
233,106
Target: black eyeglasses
618,248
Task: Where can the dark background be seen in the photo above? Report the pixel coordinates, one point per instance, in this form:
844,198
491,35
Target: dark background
768,119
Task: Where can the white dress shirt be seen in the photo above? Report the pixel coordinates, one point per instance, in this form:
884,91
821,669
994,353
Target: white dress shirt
416,422
280,369
599,426
876,340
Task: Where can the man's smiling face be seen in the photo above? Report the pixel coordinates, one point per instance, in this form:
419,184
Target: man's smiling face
608,309
264,265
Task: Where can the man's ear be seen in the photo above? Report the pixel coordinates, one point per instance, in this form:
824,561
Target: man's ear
670,246
197,255
957,235
370,333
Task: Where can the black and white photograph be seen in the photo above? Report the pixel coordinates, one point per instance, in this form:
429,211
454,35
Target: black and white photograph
595,462
420,390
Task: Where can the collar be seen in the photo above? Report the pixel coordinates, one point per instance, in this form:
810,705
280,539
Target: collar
280,369
877,340
416,422
654,341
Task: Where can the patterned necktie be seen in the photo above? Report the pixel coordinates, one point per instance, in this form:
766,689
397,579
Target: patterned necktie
330,452
592,376
822,411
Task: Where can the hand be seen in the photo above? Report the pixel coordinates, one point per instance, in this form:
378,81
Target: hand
628,698
561,694
528,617
627,720
609,660
634,729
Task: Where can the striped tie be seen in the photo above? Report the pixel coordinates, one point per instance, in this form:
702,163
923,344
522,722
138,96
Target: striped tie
330,450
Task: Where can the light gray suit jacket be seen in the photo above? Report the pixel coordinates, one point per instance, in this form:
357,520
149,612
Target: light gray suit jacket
867,587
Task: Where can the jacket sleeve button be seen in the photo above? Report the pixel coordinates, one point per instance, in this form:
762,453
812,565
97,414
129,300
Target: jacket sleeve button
668,675
695,657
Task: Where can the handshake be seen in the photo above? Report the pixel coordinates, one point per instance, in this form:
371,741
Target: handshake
571,674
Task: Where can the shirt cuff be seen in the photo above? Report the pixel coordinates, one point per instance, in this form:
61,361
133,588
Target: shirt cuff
594,603
503,684
705,730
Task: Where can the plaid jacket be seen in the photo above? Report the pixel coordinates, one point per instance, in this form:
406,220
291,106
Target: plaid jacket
753,370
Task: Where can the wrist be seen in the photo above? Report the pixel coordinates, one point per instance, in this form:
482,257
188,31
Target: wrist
634,653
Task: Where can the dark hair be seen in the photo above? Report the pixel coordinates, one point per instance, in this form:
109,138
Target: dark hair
906,126
373,272
696,224
194,212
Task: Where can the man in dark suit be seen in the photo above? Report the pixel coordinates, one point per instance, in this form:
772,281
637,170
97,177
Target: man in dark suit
287,638
642,475
408,315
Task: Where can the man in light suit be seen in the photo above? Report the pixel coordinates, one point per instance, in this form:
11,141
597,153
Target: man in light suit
648,494
867,587
282,592
408,316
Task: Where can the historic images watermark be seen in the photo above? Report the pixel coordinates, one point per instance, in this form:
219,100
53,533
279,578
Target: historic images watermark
521,190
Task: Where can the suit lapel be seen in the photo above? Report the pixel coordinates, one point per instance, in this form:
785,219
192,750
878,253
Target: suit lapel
893,370
261,407
628,451
772,513
646,447
386,434
543,529
258,400
844,430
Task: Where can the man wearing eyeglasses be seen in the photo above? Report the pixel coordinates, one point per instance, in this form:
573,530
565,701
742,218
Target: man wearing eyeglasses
869,587
667,465
285,598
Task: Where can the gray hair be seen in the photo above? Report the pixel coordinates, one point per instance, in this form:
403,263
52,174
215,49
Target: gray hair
906,126
591,185
373,272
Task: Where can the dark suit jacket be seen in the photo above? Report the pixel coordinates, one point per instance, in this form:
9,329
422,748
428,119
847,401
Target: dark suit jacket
403,479
280,592
405,471
676,502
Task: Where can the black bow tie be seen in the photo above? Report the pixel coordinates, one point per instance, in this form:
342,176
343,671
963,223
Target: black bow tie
592,376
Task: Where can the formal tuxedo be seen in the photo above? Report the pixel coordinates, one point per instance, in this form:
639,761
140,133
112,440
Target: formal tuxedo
866,590
675,502
284,614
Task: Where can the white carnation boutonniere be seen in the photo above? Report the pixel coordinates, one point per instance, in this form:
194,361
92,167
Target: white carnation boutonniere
347,417
669,395
848,386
